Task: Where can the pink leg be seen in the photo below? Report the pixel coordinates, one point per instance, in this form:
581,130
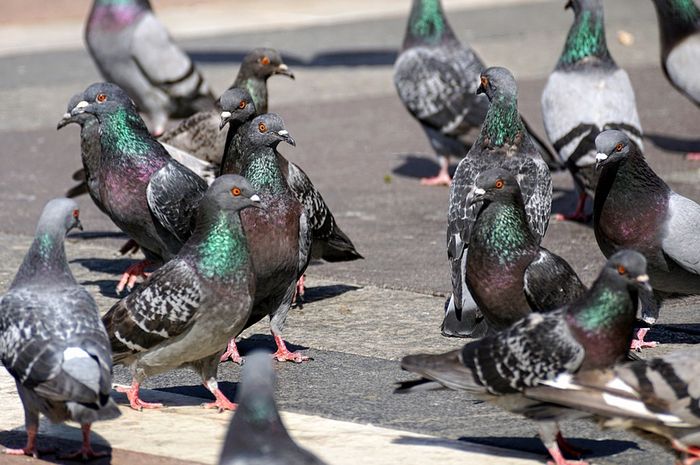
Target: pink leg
222,403
232,352
639,343
693,156
559,458
132,274
578,215
569,448
284,355
132,393
299,291
442,179
85,452
30,449
691,451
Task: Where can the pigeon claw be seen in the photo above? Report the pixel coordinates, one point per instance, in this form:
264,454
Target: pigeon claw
639,343
222,403
232,353
559,458
439,180
132,274
85,453
23,451
132,393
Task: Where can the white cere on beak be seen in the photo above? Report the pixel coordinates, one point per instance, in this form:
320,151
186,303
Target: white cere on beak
81,104
283,67
283,132
644,278
255,198
225,114
601,156
479,191
66,115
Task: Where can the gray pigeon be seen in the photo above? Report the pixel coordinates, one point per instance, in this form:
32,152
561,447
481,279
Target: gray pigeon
659,396
635,209
187,310
199,135
51,338
436,78
593,332
587,93
134,50
507,272
279,237
502,143
257,435
148,195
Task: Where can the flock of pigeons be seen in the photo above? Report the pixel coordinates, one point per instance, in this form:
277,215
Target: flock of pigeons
232,225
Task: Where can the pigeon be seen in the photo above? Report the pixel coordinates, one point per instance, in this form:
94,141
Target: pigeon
659,396
679,30
507,272
436,78
51,338
257,435
148,195
132,49
586,94
634,208
279,237
199,135
502,143
186,311
593,332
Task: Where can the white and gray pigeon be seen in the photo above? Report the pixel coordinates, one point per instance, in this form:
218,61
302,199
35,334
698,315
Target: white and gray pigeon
436,78
51,338
634,208
133,49
186,311
593,332
660,395
502,143
586,94
257,435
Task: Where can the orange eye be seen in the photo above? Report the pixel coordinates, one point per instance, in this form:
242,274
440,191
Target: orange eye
484,81
621,269
235,192
101,97
242,104
265,60
262,127
619,147
499,184
76,213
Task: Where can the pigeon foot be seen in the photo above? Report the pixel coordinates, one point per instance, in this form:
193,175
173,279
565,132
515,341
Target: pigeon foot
579,214
232,353
30,449
132,393
639,343
131,274
693,156
221,402
559,458
284,355
85,453
439,180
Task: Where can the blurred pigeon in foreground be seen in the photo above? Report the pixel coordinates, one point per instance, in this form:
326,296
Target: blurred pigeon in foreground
199,135
594,332
635,209
148,195
436,78
502,143
508,273
257,435
188,309
51,338
587,93
134,50
660,395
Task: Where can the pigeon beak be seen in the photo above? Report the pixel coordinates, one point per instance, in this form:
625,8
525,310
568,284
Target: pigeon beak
569,4
65,120
79,107
77,224
475,195
225,118
600,159
480,89
643,281
284,69
284,135
256,202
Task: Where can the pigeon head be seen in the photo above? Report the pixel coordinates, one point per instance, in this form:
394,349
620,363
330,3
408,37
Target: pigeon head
268,131
68,117
232,192
630,267
236,106
103,98
256,396
60,213
494,185
613,146
265,62
497,81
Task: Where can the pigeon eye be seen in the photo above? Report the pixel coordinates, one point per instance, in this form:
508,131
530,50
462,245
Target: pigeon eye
484,81
265,60
499,184
76,213
101,97
621,269
619,147
235,192
242,104
262,127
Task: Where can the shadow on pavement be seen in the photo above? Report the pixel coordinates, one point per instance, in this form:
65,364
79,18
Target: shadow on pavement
419,166
317,293
675,334
674,144
52,447
336,58
115,265
108,287
564,201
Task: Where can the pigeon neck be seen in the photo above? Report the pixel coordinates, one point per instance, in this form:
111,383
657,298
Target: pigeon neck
427,24
256,422
123,132
586,41
116,14
46,258
230,158
256,87
221,247
263,171
678,19
502,229
502,124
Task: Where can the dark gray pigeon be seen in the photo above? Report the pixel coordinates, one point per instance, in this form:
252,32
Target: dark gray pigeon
257,435
659,396
148,195
199,135
593,332
635,209
51,338
279,236
502,143
507,272
586,93
436,78
187,310
134,50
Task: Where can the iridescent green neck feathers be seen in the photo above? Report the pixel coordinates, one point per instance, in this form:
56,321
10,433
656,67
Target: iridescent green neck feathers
586,39
503,124
223,250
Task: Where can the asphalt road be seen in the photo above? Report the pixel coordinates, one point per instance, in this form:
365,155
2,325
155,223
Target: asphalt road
365,154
